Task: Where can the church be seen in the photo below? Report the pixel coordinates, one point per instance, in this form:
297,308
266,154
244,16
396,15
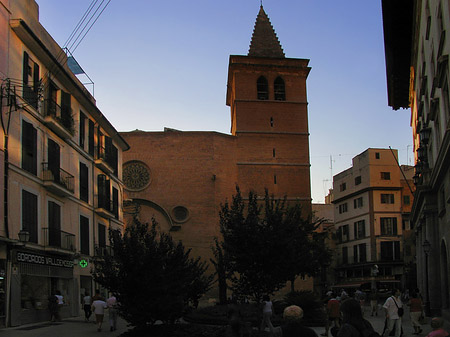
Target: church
181,178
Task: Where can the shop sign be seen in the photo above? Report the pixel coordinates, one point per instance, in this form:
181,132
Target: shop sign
43,260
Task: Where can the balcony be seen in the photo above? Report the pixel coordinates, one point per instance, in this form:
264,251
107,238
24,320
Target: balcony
101,160
57,180
57,238
101,251
58,120
103,206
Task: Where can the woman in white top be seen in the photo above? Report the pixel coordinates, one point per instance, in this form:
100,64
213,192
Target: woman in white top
267,311
87,301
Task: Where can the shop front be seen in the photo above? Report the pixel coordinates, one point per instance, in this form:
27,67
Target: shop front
35,276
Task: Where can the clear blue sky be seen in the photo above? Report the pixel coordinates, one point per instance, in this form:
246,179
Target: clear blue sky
160,64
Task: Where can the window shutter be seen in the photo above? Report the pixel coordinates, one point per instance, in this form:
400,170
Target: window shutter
84,235
355,253
91,138
29,214
394,226
36,78
25,68
355,230
115,199
82,129
397,250
101,235
84,182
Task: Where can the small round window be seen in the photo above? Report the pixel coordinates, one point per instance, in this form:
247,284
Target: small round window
180,214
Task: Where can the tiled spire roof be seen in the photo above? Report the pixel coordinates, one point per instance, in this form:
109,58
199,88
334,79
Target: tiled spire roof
264,40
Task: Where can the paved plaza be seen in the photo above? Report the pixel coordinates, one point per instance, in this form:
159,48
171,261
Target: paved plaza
75,327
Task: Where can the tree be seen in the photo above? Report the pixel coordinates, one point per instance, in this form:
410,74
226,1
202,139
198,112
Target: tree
152,276
222,266
268,244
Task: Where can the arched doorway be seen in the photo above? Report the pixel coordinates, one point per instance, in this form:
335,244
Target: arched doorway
444,273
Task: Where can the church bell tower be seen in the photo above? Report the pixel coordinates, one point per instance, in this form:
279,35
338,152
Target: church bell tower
266,93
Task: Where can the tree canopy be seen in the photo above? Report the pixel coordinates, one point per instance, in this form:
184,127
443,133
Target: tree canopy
152,276
268,243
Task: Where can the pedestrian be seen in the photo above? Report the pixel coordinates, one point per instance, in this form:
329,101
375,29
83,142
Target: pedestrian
353,323
415,311
437,323
98,307
60,304
87,302
267,312
111,303
53,307
333,314
292,326
373,296
394,312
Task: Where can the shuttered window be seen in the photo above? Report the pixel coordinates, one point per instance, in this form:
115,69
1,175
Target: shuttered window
115,200
91,138
29,148
82,129
101,235
54,224
29,215
84,182
84,235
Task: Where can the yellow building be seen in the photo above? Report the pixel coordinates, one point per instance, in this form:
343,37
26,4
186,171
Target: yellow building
372,202
62,172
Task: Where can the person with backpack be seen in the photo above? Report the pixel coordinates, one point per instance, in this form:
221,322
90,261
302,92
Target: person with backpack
353,323
394,312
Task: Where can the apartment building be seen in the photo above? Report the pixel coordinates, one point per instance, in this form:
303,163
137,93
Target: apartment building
371,208
418,78
62,173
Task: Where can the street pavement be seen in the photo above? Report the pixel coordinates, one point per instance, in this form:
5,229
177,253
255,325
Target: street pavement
75,327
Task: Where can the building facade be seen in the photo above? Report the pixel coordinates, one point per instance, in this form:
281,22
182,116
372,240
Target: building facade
182,178
372,201
62,173
421,70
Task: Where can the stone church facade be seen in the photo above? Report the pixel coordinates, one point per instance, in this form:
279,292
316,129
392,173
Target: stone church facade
182,178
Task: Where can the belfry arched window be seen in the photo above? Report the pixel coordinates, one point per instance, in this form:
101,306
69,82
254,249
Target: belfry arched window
279,89
263,88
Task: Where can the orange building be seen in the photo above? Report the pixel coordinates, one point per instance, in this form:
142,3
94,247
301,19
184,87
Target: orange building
181,178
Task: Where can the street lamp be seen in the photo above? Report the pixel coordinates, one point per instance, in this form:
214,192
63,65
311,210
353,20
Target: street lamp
24,236
426,248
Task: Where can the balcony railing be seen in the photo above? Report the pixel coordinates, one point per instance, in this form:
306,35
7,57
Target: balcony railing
104,206
58,176
102,159
54,237
60,115
103,250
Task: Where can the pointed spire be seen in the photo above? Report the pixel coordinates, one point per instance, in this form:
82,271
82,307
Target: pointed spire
264,40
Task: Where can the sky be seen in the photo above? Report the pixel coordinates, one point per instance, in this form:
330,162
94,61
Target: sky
159,64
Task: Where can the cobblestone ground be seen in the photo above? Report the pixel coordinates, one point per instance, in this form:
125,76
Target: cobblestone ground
77,327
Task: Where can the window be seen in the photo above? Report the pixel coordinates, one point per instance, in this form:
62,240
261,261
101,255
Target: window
84,182
115,202
101,235
359,229
53,160
342,187
262,88
390,251
66,111
387,198
271,122
377,155
406,200
358,202
345,233
30,215
104,192
54,224
84,235
385,175
358,180
339,234
279,89
29,148
344,255
273,152
82,129
31,82
362,252
355,254
342,208
388,226
275,179
111,154
91,144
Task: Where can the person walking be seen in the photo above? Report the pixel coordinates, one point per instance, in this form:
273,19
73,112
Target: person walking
373,296
87,302
111,303
333,314
60,304
394,312
53,307
353,323
267,311
98,307
415,311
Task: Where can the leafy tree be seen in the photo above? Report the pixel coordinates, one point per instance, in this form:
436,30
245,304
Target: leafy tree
152,276
268,244
222,266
